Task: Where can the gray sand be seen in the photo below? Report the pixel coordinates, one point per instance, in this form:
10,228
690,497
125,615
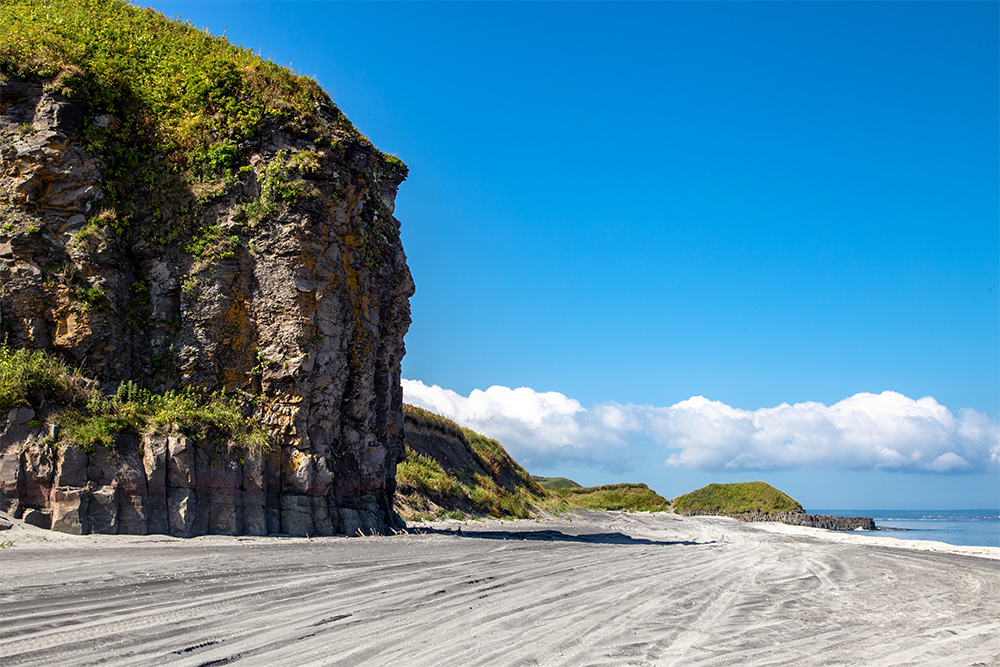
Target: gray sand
600,589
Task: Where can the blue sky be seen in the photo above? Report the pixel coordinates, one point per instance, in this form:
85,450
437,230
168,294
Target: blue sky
624,206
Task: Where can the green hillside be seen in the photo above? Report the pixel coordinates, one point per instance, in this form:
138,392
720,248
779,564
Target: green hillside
464,474
736,499
491,484
556,483
610,497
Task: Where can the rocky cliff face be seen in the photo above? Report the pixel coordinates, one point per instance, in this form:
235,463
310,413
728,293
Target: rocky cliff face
286,280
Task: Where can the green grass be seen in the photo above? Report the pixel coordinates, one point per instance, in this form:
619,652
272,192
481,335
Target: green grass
609,498
176,103
423,473
507,490
89,418
556,483
29,377
736,499
420,478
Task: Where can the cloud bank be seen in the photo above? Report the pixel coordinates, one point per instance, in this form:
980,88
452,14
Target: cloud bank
887,431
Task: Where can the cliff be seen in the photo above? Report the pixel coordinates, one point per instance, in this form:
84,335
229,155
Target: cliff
178,215
449,470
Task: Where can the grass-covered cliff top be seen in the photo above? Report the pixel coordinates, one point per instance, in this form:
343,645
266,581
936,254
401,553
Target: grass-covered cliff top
435,421
86,417
175,102
609,497
736,499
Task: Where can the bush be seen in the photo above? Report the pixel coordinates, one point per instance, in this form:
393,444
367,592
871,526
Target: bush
28,377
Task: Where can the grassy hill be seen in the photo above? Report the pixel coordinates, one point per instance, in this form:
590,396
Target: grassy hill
454,472
735,499
556,483
610,497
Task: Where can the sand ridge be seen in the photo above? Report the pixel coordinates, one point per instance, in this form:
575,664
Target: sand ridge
594,589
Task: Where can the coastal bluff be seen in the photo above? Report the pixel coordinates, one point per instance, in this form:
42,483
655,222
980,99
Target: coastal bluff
215,231
754,502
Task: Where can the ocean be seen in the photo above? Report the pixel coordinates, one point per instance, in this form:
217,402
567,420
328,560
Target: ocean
971,528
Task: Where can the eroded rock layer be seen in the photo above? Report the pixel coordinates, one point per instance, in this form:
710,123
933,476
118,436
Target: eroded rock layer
288,281
799,518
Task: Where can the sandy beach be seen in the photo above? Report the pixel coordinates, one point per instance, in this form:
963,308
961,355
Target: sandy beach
599,589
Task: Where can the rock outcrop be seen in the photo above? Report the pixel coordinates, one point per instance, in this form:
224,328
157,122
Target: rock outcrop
799,518
299,300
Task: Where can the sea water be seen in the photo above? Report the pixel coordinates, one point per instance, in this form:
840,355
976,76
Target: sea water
971,528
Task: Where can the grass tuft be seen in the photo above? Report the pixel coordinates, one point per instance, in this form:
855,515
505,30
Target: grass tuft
29,377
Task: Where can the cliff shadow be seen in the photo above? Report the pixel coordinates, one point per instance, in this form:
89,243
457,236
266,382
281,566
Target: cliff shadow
554,536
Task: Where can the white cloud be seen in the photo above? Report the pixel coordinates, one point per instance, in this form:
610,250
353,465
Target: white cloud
886,431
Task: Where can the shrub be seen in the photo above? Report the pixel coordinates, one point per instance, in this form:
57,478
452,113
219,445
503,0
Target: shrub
27,377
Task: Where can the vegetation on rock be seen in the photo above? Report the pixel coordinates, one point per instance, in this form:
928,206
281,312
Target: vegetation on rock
172,104
209,239
739,498
89,418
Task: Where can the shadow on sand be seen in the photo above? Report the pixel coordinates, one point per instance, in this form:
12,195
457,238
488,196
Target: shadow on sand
551,536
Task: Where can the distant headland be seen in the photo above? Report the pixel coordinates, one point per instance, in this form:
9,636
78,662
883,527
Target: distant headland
759,501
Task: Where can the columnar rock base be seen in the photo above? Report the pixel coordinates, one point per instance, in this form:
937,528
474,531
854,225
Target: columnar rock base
799,518
165,484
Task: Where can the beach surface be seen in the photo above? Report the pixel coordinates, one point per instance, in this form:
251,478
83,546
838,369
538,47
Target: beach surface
592,589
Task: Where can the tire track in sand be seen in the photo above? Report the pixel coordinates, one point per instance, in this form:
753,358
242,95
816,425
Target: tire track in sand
702,591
